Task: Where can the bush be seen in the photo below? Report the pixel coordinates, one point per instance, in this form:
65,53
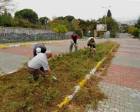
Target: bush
134,31
6,20
79,32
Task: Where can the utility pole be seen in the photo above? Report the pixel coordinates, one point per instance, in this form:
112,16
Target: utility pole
106,8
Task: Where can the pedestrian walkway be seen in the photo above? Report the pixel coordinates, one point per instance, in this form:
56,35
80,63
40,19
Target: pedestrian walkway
122,83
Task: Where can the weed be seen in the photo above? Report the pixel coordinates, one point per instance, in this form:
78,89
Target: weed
50,94
19,93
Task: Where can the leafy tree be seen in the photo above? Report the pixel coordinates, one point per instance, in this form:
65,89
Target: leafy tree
138,23
59,18
22,23
43,20
134,31
6,19
59,26
83,26
109,13
69,18
75,24
112,25
27,14
87,25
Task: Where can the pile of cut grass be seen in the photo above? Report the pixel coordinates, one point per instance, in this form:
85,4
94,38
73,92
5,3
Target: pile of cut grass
19,93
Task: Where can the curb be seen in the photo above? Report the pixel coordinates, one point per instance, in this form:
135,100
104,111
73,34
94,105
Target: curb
11,72
10,45
81,84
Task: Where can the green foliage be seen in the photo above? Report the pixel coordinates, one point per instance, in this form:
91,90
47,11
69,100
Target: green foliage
86,26
43,20
59,26
5,20
22,23
75,24
69,18
109,13
134,31
50,94
112,25
20,93
27,14
138,23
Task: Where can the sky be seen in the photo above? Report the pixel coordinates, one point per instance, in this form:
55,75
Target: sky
121,10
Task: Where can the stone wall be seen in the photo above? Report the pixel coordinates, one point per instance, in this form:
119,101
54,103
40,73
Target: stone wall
11,34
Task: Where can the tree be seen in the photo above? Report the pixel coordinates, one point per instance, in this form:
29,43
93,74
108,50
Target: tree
86,26
138,23
69,18
134,31
6,19
5,5
112,25
109,13
43,20
59,26
27,14
59,18
75,24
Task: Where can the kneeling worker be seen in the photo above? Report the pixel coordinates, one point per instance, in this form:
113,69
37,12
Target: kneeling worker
43,50
39,65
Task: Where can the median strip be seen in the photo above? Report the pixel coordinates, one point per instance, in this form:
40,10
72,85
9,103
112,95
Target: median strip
81,84
47,94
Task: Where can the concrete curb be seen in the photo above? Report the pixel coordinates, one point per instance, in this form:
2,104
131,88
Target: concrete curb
13,71
10,45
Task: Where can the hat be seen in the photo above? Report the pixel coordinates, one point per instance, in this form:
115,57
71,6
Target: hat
38,50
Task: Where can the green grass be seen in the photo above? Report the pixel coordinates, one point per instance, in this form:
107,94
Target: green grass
19,93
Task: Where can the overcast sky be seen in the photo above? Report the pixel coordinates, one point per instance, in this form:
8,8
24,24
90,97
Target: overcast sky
84,9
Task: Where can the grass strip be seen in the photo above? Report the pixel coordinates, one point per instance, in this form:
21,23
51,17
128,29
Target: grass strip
19,93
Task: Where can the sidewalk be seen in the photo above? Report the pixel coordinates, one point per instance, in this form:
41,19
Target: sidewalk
122,82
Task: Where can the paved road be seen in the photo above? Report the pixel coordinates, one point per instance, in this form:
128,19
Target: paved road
122,83
12,59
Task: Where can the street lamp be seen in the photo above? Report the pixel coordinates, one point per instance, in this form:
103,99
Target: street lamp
106,8
106,29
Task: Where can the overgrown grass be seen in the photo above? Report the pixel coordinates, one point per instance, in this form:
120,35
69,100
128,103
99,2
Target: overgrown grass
19,93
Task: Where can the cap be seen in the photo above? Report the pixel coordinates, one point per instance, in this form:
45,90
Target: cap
38,50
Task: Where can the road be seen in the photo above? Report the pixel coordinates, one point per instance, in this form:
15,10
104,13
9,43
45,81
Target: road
122,83
13,58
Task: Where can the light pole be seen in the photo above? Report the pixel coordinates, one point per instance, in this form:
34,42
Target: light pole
106,29
106,8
